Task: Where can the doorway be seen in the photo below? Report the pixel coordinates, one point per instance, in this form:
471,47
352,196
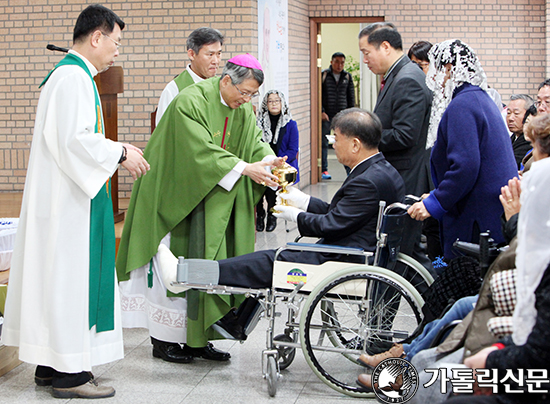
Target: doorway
341,35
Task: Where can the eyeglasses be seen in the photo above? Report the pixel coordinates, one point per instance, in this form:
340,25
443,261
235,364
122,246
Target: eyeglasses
274,102
422,64
245,94
539,103
118,45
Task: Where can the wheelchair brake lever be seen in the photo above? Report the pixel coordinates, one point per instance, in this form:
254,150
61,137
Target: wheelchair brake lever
293,295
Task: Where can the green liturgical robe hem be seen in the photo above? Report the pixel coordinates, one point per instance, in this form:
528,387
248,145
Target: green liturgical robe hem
197,142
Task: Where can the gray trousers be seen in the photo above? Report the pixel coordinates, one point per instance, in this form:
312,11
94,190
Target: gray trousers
430,359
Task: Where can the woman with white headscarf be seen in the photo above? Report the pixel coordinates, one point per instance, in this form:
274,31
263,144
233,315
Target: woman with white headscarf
281,132
472,156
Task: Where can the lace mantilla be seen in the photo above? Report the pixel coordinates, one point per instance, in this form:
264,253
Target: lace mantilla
263,121
465,69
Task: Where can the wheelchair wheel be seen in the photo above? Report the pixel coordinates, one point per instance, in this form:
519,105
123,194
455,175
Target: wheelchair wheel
414,272
355,310
286,354
271,376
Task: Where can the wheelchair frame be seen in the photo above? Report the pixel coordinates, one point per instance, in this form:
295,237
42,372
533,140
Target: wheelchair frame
320,328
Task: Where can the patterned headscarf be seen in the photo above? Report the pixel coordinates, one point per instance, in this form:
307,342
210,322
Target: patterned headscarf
264,123
465,69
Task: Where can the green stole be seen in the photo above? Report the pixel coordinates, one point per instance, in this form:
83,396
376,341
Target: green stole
184,80
102,234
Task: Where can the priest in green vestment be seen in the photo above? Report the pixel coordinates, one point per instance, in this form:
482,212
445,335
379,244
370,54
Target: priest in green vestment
209,168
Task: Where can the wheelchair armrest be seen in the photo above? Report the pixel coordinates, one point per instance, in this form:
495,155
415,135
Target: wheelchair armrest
485,252
442,334
324,248
469,249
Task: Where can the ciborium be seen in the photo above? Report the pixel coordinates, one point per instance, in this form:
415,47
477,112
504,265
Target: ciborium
286,176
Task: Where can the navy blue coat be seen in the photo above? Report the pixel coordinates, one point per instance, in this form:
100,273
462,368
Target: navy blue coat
289,142
470,161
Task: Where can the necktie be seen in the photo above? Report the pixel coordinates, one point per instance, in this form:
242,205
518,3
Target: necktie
382,84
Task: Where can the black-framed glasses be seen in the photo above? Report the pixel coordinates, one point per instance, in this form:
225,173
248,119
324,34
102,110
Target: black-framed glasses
118,44
274,102
245,94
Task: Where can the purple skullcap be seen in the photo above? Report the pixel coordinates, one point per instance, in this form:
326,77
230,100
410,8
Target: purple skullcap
246,60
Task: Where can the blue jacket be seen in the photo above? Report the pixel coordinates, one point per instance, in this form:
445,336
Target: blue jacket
289,143
470,161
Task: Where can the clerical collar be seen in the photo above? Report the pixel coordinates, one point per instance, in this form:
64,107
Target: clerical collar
91,67
196,78
392,67
361,162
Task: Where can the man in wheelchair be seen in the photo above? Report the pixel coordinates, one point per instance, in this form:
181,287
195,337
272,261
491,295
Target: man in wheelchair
349,220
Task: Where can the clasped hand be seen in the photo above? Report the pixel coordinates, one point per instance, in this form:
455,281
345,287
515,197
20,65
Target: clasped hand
260,171
135,163
296,203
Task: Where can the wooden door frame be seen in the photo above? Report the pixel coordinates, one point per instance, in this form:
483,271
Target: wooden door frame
315,74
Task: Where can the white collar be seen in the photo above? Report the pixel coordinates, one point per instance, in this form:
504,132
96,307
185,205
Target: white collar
196,78
362,161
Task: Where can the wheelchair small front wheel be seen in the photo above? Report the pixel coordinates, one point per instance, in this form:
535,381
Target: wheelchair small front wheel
286,354
353,311
271,376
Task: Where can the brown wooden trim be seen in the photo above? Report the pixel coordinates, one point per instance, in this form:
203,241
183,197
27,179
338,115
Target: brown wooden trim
346,20
315,104
315,87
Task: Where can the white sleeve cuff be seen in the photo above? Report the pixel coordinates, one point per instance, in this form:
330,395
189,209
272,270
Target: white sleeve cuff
228,182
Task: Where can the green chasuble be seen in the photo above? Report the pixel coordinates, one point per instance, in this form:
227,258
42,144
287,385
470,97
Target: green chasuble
197,142
101,310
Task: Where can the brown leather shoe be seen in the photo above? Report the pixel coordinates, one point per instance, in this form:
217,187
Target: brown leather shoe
371,361
89,389
365,380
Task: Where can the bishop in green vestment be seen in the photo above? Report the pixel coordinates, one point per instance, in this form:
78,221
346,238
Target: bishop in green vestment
206,176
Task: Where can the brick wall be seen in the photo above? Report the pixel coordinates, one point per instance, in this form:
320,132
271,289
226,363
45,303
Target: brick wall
509,36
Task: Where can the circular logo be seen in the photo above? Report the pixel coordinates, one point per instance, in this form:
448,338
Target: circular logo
395,380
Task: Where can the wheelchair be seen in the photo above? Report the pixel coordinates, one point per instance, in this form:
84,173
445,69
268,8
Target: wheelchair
338,310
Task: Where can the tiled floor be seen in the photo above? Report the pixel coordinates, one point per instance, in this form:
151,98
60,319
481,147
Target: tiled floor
140,378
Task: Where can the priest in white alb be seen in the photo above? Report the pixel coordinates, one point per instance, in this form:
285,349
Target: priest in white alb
62,307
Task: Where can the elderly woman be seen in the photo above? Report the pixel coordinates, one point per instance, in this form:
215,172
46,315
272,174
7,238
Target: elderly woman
528,347
472,156
281,132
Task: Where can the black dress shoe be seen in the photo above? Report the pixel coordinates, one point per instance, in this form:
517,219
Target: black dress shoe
271,223
207,352
228,326
259,223
170,352
43,375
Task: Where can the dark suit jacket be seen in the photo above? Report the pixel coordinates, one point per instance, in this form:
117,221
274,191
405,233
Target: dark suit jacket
350,218
521,147
404,106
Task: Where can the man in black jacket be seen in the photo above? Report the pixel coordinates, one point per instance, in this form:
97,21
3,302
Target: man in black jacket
403,105
515,112
338,93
